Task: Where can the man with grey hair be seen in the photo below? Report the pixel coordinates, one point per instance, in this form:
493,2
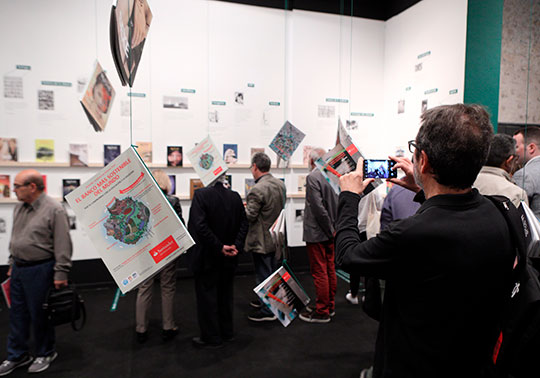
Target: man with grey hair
495,176
40,259
319,217
528,177
264,203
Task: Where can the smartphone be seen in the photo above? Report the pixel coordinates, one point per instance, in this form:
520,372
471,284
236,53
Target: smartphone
379,168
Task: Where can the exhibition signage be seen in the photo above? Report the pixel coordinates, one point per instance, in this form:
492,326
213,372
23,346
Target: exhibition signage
23,67
222,103
431,91
135,94
56,83
184,90
363,114
424,54
343,100
129,220
251,85
273,103
453,91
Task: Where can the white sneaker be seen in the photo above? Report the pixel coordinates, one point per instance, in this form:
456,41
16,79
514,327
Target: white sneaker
42,363
351,299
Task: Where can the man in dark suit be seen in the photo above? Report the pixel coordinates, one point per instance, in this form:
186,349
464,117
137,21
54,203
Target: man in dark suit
218,225
448,267
319,216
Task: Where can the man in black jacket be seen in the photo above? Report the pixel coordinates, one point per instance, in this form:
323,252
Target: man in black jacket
218,225
448,267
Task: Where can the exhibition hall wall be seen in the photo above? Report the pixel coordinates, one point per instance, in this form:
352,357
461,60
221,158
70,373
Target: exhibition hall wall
305,67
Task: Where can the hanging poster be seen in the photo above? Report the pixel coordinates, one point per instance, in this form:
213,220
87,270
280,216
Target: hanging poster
207,161
129,220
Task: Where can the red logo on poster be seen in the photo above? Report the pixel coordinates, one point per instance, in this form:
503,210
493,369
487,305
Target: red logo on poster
163,249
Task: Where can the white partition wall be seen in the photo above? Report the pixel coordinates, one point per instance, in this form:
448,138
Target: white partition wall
306,67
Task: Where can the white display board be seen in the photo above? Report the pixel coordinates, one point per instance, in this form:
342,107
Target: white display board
250,68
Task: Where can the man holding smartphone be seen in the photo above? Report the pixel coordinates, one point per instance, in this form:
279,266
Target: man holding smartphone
448,267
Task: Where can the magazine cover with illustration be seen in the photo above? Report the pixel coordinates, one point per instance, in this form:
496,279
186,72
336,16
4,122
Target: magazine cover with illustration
98,99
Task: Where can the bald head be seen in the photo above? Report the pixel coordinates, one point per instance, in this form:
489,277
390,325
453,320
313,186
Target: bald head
314,155
28,185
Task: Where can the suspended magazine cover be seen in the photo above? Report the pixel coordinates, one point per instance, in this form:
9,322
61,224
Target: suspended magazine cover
287,141
279,236
207,161
130,22
129,220
341,160
283,295
98,99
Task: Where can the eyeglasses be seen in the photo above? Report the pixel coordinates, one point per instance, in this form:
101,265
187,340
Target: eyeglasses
17,186
412,146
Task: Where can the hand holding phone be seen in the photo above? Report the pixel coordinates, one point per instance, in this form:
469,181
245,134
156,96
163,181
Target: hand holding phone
379,168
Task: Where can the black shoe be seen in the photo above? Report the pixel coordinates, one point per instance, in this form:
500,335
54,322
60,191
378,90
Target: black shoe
199,343
255,304
142,337
169,334
227,339
259,316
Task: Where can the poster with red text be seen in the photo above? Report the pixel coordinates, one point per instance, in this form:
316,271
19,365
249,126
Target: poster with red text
129,220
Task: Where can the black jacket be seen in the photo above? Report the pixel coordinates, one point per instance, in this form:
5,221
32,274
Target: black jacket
447,271
216,218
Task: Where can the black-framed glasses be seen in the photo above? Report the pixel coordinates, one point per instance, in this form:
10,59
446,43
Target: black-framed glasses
17,186
412,146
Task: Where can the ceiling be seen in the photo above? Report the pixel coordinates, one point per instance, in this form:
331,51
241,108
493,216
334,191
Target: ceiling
373,9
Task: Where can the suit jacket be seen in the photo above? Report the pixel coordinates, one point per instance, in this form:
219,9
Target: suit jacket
264,203
216,218
496,181
320,209
528,178
448,278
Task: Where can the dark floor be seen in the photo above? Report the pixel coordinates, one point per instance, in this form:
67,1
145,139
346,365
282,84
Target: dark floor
106,347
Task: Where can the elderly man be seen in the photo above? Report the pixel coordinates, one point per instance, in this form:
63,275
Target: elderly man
319,217
264,203
40,258
495,176
448,267
528,177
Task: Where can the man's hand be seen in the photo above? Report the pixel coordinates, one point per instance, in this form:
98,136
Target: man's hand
407,167
60,284
354,181
229,250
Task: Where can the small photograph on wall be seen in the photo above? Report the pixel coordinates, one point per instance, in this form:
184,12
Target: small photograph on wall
172,179
175,102
401,106
326,111
255,150
418,67
424,106
306,152
45,150
230,153
194,184
174,156
228,181
13,87
3,226
5,191
144,149
98,99
69,185
213,116
248,184
8,149
110,152
351,124
299,215
302,183
45,99
78,155
239,98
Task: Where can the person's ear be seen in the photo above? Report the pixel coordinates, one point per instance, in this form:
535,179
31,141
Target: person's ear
423,163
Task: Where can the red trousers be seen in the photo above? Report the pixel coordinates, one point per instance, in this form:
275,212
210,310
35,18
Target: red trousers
323,270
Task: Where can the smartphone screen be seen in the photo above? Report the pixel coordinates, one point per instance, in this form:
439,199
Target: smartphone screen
379,168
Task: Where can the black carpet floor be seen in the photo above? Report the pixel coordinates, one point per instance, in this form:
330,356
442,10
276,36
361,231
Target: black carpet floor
107,346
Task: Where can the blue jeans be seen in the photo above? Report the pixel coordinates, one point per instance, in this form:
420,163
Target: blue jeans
265,265
28,290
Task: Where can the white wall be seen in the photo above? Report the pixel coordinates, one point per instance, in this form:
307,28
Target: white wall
299,59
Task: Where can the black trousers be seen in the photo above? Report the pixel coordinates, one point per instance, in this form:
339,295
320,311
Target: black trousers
214,291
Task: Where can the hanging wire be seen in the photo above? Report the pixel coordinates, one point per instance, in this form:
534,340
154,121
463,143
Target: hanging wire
350,60
96,25
528,79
